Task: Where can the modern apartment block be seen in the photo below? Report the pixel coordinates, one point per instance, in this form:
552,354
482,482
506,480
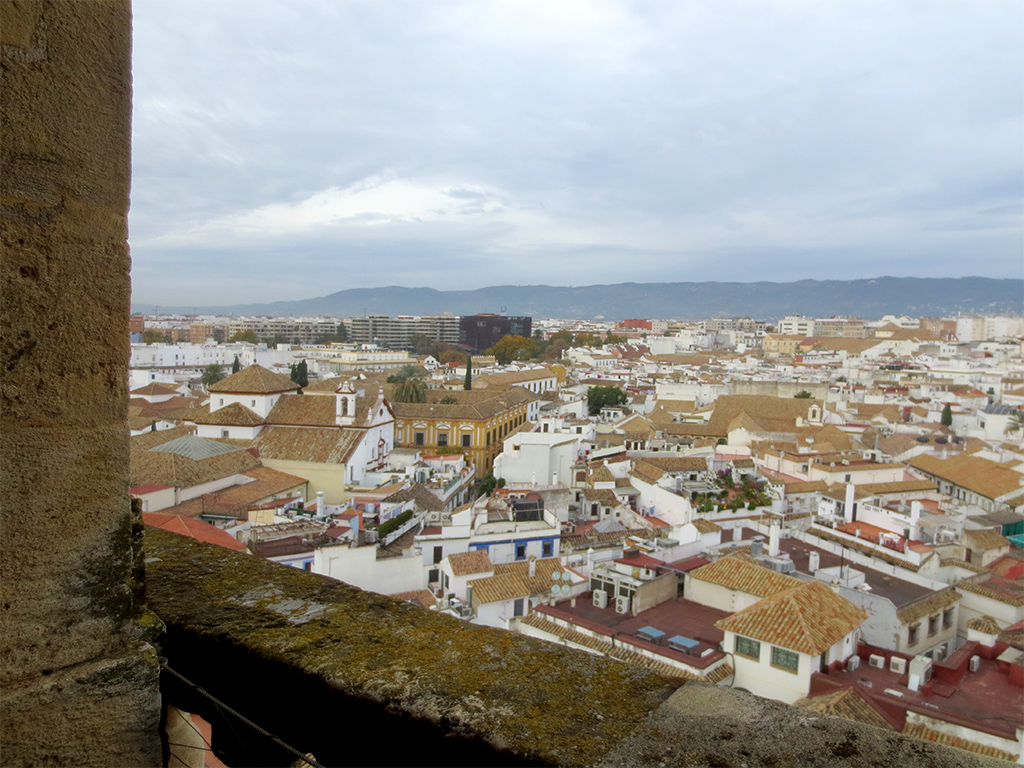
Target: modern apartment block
847,327
289,330
480,332
743,324
396,332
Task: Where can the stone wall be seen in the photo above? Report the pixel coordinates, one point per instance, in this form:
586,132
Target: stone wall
78,680
355,677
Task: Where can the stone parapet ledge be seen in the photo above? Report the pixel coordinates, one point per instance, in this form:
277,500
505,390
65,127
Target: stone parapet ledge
354,677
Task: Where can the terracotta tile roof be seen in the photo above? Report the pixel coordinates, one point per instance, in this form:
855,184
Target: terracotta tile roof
512,580
149,440
940,601
866,549
423,497
981,476
899,486
604,496
254,380
961,564
234,415
986,539
317,446
478,406
602,475
677,463
156,388
237,500
466,563
706,526
809,618
148,466
984,624
846,703
1015,599
646,473
319,410
918,731
194,529
812,486
745,574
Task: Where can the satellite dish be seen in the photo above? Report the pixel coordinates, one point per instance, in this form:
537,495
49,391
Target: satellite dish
566,576
554,575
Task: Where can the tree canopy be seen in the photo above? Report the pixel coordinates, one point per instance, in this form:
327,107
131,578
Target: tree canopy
246,336
803,394
511,348
403,373
211,374
947,415
299,373
410,391
599,397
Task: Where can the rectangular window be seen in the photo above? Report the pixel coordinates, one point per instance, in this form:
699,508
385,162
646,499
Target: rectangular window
465,441
546,549
785,659
438,556
747,647
517,607
418,438
933,625
912,634
520,551
442,439
433,576
947,618
225,433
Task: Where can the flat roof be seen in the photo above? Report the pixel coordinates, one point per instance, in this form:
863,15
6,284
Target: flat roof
672,617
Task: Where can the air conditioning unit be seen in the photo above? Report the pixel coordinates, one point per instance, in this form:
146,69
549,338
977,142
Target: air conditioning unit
600,598
852,663
898,665
876,661
975,663
622,604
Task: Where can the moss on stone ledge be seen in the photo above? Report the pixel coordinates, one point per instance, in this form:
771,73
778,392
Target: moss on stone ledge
535,700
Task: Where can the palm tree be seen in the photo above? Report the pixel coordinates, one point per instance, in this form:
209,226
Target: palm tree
1016,422
211,374
410,391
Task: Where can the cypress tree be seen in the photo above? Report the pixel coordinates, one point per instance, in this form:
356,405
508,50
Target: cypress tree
469,374
236,366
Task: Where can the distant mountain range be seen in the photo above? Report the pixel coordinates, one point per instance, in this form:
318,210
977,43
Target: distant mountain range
869,299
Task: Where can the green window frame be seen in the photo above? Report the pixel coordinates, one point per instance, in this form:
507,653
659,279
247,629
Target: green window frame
747,647
785,659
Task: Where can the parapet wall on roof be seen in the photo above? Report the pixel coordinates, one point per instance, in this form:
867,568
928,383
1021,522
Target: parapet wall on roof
422,688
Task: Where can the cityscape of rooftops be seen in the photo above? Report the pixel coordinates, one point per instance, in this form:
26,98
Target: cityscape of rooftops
686,335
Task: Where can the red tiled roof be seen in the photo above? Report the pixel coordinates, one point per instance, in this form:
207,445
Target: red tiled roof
809,618
194,529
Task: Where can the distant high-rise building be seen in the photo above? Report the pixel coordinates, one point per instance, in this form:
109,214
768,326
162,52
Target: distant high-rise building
397,332
479,332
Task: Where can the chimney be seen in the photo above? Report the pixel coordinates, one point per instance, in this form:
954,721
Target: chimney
319,503
533,567
773,540
737,533
757,546
813,562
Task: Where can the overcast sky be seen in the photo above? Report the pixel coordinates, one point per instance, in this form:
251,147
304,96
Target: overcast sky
286,150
